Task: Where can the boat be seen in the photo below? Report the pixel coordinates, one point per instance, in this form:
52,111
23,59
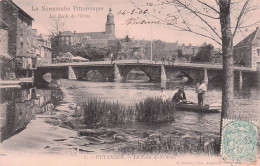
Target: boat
191,106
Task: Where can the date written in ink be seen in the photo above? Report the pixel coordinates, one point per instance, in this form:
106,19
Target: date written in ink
133,12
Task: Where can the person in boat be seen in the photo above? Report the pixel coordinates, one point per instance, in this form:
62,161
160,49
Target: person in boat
163,95
179,96
200,89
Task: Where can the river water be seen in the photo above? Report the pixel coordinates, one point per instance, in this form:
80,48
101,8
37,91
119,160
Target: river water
20,105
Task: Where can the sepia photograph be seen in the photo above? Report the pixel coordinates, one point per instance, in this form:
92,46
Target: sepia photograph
129,82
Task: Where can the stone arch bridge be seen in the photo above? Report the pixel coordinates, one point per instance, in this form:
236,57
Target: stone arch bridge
157,72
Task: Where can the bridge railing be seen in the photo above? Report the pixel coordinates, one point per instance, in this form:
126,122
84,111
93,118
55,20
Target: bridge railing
167,63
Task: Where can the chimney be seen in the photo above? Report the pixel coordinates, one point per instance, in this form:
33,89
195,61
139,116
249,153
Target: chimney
74,33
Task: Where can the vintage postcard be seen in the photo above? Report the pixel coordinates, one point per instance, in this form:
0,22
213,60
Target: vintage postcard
129,82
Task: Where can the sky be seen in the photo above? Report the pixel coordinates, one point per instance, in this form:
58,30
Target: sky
94,20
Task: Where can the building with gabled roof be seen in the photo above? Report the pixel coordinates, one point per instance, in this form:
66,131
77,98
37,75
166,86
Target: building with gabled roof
247,51
93,39
19,37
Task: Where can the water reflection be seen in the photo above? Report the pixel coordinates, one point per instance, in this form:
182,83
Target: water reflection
19,106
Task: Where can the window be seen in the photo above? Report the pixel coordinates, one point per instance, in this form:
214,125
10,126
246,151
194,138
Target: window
258,52
21,44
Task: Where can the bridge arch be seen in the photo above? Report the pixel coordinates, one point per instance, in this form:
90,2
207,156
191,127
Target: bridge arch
152,72
92,75
46,75
136,74
88,73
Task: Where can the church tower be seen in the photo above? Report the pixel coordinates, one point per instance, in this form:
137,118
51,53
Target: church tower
110,25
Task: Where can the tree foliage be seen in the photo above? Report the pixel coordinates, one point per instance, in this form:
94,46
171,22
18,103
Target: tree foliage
180,54
204,54
158,49
91,53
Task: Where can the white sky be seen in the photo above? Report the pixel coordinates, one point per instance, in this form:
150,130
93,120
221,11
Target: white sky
97,20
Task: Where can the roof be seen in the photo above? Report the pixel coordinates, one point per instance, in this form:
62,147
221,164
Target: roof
68,54
128,45
94,35
79,58
171,46
112,42
8,56
3,25
18,8
189,50
96,42
248,40
23,53
66,33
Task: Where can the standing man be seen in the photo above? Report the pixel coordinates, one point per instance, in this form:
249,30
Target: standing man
201,88
163,60
111,57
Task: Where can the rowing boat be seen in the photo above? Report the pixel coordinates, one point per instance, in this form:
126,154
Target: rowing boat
190,106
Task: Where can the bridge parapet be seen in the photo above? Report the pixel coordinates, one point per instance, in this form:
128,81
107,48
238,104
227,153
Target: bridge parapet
144,62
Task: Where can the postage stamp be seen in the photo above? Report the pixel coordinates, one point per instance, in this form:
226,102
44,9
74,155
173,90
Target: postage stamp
239,141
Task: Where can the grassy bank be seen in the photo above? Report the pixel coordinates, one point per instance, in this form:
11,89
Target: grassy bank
102,113
173,146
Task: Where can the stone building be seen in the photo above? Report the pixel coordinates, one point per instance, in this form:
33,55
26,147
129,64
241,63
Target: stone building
247,51
6,60
3,38
41,47
93,39
19,35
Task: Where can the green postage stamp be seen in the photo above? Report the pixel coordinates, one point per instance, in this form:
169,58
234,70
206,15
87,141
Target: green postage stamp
239,141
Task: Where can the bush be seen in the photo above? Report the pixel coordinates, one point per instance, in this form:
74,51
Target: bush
103,113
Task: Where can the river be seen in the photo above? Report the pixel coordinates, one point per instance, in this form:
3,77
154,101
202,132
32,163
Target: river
20,105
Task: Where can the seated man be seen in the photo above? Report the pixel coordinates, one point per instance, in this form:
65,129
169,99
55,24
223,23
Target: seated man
179,96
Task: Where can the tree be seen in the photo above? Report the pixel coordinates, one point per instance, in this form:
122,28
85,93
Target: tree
180,54
204,54
91,53
158,49
56,27
211,20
